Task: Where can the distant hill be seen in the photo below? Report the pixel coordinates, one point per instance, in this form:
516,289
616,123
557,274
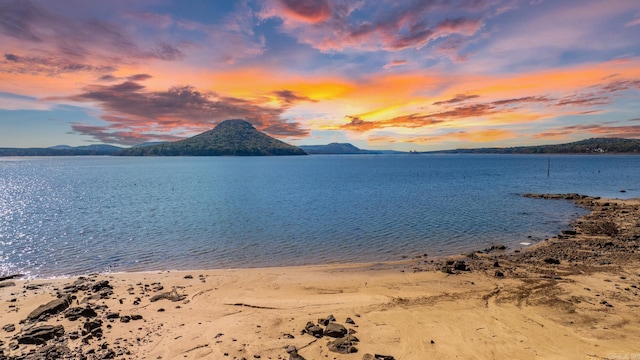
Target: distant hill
62,150
333,148
588,146
149,143
230,137
341,148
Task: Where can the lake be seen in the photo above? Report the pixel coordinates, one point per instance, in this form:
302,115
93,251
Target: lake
75,215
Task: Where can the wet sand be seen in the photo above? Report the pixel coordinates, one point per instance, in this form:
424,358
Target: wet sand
571,297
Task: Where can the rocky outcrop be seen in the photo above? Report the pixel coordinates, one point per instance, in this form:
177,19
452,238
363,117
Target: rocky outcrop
40,334
53,307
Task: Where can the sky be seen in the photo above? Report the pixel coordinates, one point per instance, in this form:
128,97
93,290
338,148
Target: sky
402,75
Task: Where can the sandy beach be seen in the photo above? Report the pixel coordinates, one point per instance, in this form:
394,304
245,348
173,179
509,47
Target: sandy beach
574,296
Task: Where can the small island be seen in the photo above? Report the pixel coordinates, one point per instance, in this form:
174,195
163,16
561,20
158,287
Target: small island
230,138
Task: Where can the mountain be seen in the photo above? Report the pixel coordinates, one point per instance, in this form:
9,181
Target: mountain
341,148
231,137
588,146
62,150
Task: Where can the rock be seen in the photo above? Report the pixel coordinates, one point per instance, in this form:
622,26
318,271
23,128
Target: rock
40,335
293,353
50,352
77,312
314,330
344,345
569,232
335,330
172,295
460,266
377,357
89,326
100,285
113,315
9,277
7,284
498,273
326,321
9,328
136,317
552,261
350,321
496,264
125,319
51,308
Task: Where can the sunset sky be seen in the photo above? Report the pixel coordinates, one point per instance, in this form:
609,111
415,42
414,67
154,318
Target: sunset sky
404,75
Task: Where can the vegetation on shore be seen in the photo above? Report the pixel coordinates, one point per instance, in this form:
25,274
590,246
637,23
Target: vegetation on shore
588,146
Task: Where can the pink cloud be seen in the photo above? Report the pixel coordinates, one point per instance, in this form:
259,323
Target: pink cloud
395,63
311,11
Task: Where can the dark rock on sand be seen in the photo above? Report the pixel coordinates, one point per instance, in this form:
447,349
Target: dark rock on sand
113,315
293,353
9,328
51,308
40,335
327,320
78,312
345,345
172,296
460,266
313,330
92,326
335,330
100,285
552,261
350,321
49,352
377,357
9,277
7,284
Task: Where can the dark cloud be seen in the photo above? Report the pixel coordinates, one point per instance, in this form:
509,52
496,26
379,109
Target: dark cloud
526,99
458,98
584,100
17,18
139,77
331,25
289,97
55,43
136,77
107,135
50,66
133,113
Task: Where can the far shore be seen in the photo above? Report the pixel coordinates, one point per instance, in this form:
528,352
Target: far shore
575,296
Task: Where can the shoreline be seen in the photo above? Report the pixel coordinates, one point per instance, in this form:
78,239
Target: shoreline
572,296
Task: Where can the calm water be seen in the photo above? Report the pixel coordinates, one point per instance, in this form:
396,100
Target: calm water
62,216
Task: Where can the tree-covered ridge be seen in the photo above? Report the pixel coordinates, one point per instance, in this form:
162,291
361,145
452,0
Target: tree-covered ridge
231,137
588,146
